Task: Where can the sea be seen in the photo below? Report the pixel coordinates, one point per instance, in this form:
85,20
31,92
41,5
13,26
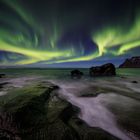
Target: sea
60,73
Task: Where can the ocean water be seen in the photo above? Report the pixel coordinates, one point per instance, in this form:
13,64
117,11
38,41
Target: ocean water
61,73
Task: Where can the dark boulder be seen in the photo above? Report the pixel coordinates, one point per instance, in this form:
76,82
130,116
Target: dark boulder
2,75
135,82
76,74
104,70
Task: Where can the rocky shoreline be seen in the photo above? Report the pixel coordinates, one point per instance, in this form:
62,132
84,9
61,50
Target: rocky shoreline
43,115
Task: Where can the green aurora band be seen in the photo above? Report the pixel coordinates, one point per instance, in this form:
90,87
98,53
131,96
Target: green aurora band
25,46
113,36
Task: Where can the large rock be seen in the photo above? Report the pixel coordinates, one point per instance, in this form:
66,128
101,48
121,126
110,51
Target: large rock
133,62
76,74
104,70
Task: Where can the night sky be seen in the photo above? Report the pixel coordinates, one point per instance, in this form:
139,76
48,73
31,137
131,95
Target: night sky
68,33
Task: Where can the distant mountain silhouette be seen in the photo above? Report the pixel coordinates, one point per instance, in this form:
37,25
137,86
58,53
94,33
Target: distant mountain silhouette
133,62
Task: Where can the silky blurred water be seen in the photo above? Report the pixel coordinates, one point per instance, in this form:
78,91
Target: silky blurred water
94,110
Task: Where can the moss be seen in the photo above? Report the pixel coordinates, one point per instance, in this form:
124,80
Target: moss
39,114
26,93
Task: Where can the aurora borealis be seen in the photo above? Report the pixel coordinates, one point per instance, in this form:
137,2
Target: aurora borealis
67,32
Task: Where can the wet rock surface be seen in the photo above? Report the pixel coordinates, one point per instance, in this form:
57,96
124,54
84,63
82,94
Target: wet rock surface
37,113
128,119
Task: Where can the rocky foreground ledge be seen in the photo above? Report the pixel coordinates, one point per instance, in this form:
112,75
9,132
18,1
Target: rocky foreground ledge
37,113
